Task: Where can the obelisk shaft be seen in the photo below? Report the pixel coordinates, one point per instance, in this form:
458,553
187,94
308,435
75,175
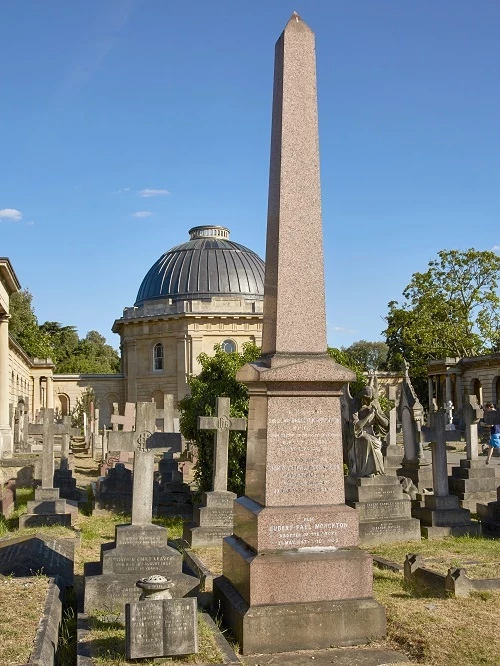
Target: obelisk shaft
294,300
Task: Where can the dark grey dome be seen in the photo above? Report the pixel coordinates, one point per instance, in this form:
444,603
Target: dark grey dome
207,265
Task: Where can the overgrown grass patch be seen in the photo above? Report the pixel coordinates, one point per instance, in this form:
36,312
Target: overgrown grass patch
107,644
439,631
22,603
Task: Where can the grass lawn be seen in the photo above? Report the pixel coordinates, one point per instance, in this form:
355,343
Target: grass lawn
479,556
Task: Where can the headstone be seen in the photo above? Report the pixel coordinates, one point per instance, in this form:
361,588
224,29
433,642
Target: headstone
47,508
393,453
213,520
162,628
114,491
127,421
140,547
415,466
37,554
63,477
441,514
293,577
7,498
473,482
174,496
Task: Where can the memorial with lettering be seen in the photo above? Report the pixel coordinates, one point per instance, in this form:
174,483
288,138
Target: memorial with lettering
213,519
293,576
38,554
140,548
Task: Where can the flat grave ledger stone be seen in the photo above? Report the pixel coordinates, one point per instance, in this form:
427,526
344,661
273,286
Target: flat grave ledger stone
161,628
47,508
293,577
213,519
384,510
38,554
140,548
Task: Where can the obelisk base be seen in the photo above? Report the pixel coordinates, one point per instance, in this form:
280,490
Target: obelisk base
298,626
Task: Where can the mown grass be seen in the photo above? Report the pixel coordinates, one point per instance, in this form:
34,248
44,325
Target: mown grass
107,638
479,556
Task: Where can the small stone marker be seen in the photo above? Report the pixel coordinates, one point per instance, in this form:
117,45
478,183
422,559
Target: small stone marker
161,628
213,520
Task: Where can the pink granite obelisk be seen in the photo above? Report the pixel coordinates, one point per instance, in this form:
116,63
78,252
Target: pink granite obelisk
293,577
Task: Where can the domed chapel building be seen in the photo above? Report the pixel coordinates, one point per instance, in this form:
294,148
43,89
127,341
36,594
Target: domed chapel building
206,291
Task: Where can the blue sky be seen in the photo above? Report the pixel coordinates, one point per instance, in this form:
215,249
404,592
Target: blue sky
125,122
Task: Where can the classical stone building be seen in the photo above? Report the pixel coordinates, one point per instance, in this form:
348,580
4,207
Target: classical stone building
206,291
451,379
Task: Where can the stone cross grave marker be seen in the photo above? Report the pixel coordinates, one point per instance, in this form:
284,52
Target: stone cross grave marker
48,429
143,443
167,413
127,421
222,423
473,414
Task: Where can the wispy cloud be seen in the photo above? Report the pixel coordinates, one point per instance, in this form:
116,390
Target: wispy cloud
342,329
149,192
142,213
495,248
11,214
123,189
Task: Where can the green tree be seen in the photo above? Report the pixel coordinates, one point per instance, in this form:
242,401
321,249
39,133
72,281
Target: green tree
369,355
342,357
91,355
450,310
23,326
64,340
217,379
82,407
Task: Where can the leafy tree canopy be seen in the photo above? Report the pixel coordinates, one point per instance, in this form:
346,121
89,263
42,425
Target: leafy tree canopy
450,310
61,343
217,379
369,355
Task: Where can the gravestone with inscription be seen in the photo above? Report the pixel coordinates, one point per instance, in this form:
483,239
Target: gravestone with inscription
114,490
384,509
161,628
473,481
213,519
141,547
63,476
441,514
37,554
293,576
48,508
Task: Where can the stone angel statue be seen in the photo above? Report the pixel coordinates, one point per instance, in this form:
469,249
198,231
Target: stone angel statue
368,427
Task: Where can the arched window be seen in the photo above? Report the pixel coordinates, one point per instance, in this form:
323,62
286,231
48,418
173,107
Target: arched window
158,357
228,346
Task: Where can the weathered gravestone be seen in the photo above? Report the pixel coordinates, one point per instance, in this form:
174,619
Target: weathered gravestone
473,481
7,497
415,466
63,477
47,508
393,452
174,496
441,514
140,547
213,520
159,626
38,554
293,578
114,491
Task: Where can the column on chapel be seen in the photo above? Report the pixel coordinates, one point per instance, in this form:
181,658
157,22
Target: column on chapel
4,370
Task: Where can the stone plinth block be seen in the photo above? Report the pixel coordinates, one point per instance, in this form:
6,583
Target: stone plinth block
429,532
276,528
370,489
44,519
372,532
421,475
211,522
298,626
296,576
